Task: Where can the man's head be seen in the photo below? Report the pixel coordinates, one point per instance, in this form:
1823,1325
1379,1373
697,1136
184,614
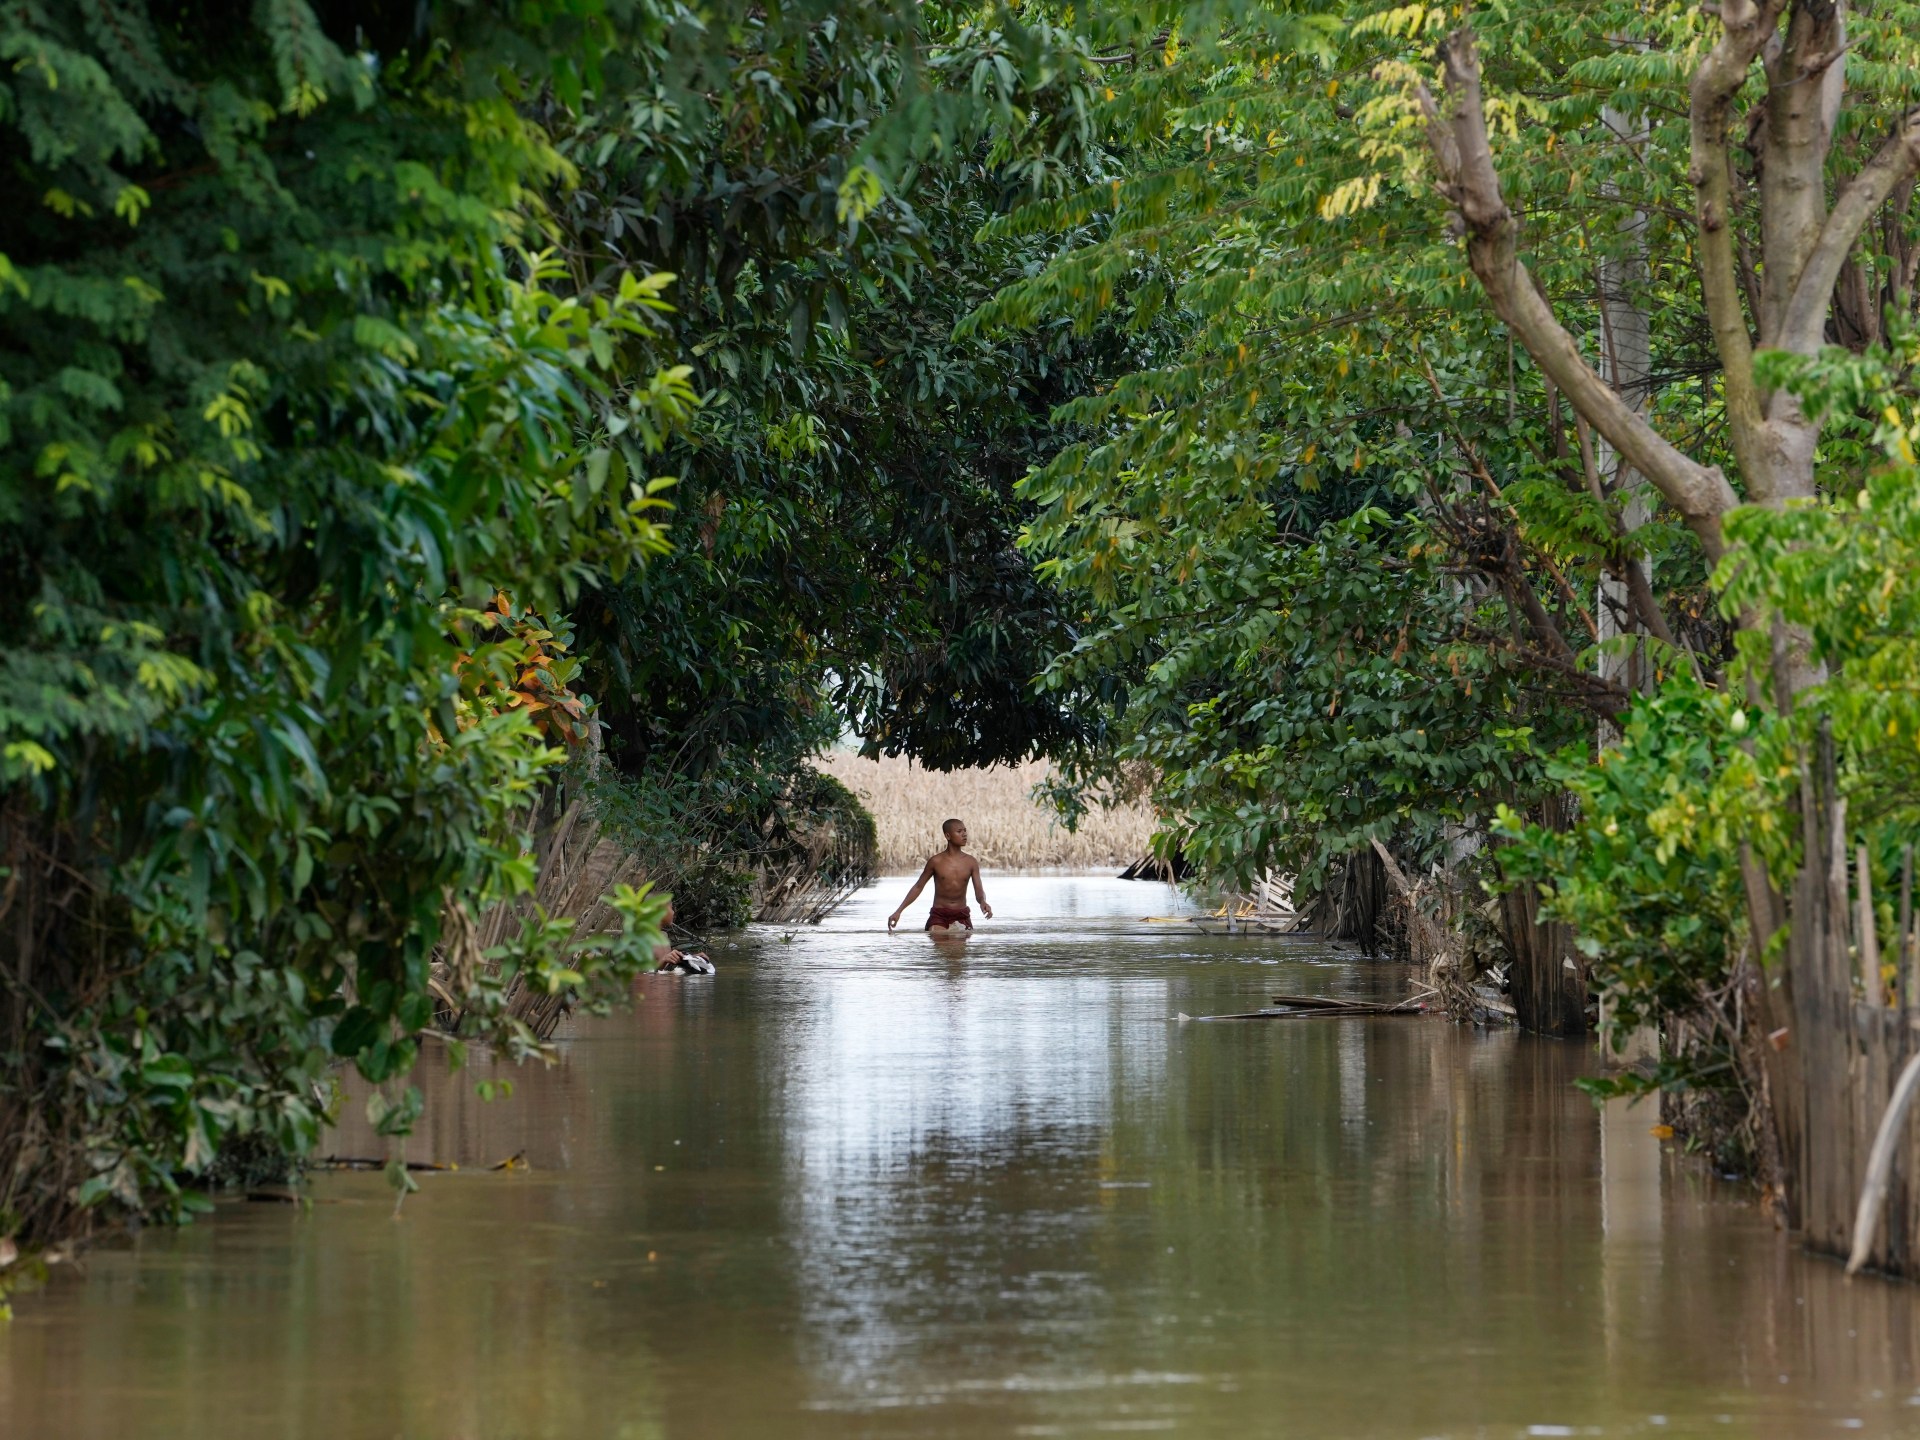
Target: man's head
955,831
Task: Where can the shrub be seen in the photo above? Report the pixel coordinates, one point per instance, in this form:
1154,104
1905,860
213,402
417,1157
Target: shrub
281,406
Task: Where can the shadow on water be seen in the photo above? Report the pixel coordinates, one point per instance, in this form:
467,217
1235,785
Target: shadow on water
862,1184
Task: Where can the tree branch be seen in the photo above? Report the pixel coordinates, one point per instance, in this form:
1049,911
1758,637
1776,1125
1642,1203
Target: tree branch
1622,561
1485,475
1806,71
1640,593
1896,162
1566,680
1745,30
1520,594
1464,160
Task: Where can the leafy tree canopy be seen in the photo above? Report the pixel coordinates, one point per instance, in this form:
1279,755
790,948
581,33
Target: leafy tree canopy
284,400
849,486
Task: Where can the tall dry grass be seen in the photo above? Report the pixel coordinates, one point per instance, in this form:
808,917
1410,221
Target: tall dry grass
1004,827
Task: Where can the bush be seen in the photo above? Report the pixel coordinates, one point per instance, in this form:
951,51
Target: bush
281,408
754,829
1648,874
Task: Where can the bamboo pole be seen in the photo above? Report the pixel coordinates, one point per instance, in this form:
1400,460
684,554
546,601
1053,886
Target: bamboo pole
1873,1194
1903,942
1872,986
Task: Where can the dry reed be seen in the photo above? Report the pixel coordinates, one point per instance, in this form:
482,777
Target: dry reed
1005,828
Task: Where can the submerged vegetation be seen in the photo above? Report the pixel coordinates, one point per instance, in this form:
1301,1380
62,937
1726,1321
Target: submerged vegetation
1375,440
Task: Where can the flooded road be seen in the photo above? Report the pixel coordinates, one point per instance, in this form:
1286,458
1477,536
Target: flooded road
861,1185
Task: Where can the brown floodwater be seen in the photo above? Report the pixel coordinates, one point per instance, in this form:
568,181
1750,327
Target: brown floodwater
861,1185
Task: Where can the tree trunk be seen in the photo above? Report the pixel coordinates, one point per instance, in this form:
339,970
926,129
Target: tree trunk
1352,904
1826,1060
1845,1052
1626,363
1548,979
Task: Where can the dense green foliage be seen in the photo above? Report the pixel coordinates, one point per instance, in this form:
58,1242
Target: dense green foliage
281,406
1340,546
1846,572
1351,561
1650,874
340,349
1311,662
848,487
353,351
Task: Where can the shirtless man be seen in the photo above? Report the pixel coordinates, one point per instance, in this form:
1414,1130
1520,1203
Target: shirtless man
949,870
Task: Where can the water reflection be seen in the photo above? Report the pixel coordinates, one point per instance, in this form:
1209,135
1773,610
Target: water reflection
863,1184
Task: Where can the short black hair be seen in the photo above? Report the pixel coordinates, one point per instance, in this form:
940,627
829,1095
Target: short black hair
946,827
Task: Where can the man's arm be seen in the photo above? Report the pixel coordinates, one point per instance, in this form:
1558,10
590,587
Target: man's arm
926,873
980,893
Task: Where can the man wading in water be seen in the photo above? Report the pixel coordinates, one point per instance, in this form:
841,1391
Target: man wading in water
949,870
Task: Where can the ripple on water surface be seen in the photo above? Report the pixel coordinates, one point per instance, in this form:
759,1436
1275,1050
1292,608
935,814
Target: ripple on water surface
862,1184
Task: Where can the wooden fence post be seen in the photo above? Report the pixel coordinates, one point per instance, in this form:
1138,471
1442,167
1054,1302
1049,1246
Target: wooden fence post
1872,987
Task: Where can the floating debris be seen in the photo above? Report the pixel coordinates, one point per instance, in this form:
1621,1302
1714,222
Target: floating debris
1293,1007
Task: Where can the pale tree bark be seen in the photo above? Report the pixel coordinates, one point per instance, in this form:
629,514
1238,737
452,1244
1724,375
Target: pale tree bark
1805,243
1626,605
1744,34
1464,160
1892,168
1805,70
1626,363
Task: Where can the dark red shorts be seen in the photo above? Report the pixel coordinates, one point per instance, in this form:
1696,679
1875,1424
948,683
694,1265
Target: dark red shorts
950,915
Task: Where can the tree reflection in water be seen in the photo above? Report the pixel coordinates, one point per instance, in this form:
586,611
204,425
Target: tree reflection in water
856,1184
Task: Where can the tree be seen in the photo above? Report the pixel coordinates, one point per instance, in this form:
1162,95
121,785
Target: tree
1805,143
1282,169
816,185
1330,363
284,406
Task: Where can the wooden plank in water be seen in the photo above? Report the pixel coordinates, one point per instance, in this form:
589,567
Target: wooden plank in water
1307,1012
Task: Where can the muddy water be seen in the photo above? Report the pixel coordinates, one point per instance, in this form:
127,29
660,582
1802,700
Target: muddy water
864,1185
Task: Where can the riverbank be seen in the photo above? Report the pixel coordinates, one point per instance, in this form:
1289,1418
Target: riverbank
864,1184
